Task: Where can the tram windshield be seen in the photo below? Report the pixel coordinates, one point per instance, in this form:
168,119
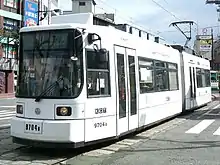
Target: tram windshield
45,58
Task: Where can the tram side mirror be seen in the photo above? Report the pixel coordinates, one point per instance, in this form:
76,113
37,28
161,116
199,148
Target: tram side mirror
90,38
102,55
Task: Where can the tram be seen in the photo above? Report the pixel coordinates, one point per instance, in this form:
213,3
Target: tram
80,84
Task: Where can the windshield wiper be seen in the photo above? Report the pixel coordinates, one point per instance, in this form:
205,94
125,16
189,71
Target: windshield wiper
38,98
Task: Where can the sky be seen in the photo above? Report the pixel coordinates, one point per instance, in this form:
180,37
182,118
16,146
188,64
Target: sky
156,15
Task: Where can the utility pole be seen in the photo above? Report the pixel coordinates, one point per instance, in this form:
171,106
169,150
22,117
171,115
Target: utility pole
212,44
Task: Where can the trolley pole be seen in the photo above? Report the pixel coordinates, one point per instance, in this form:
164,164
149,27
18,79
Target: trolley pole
212,50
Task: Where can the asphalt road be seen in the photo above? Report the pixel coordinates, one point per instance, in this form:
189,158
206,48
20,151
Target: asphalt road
7,111
191,139
187,140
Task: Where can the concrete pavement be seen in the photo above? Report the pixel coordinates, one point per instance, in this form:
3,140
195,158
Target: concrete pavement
187,140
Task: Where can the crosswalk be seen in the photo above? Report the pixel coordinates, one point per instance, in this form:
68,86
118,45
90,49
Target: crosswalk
6,115
203,125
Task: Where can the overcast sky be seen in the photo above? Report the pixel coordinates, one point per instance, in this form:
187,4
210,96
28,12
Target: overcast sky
151,16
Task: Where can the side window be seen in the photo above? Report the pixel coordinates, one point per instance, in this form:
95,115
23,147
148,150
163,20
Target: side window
156,76
146,75
207,78
200,78
161,76
173,76
98,81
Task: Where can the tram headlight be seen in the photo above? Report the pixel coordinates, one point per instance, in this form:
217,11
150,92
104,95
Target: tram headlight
20,109
64,111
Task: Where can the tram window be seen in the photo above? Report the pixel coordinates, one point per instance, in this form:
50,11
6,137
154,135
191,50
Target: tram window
98,83
173,80
159,64
200,78
203,78
172,66
92,62
146,79
145,62
207,78
161,79
133,103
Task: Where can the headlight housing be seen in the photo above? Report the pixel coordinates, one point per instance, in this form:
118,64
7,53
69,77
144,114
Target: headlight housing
64,111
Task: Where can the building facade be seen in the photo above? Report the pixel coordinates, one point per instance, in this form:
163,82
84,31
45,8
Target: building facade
49,6
10,18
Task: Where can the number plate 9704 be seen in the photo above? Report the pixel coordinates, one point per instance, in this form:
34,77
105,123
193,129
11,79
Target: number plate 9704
34,128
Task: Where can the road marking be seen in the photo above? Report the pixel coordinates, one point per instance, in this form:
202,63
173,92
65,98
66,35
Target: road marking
217,132
7,114
4,126
7,106
200,126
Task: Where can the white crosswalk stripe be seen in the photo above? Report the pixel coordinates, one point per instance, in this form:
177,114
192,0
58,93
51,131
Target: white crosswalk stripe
7,114
200,126
203,125
217,132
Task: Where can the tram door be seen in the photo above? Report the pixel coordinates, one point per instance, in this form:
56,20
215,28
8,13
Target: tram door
192,87
127,114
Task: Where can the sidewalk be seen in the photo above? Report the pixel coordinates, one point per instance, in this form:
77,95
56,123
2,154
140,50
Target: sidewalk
7,95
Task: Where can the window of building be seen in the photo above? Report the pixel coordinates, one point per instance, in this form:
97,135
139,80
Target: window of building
9,51
11,3
10,24
98,80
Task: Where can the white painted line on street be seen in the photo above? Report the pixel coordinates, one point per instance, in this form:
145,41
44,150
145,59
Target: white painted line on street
5,126
6,118
7,112
217,106
7,106
6,115
200,126
217,132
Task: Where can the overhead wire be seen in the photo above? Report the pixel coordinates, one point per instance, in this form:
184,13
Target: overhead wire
131,20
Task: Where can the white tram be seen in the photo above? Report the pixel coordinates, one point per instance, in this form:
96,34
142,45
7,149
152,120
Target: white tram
80,83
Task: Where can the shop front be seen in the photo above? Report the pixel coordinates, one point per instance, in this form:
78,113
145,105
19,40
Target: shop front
8,65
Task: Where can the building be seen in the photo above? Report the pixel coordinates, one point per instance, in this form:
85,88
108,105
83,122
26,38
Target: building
13,15
10,17
47,9
203,46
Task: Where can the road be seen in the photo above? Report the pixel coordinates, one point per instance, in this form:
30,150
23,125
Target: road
187,140
191,139
7,111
